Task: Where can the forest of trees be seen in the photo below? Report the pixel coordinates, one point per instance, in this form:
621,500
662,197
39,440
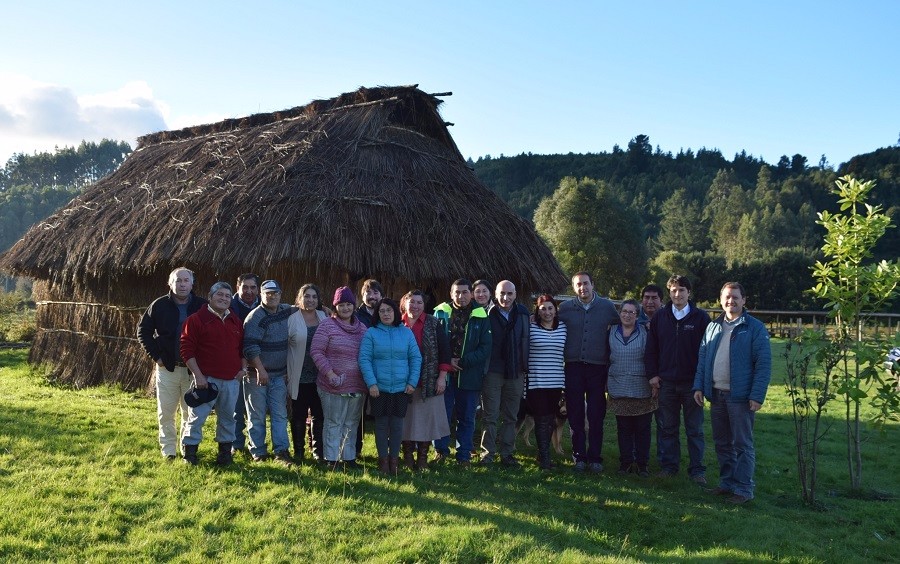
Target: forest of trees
632,216
32,187
697,213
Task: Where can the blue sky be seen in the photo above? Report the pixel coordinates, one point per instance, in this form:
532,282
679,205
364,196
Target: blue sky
768,77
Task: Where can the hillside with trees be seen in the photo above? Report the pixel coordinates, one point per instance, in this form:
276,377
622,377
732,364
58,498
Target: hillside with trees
632,215
696,213
32,187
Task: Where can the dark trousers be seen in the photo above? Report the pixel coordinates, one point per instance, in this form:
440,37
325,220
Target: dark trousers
307,402
634,439
676,398
586,394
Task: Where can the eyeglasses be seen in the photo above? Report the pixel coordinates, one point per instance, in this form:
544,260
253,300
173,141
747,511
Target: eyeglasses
626,312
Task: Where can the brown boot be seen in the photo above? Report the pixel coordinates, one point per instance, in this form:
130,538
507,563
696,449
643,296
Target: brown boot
422,460
393,465
408,451
383,465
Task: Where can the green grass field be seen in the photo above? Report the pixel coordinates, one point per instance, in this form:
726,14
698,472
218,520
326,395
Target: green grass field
81,479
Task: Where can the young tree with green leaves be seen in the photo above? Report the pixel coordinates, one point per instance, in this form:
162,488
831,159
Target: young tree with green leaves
854,286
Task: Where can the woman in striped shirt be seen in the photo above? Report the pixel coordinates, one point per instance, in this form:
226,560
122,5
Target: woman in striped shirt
546,378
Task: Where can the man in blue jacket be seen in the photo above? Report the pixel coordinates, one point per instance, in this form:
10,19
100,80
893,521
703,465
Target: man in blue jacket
159,333
733,373
469,331
670,359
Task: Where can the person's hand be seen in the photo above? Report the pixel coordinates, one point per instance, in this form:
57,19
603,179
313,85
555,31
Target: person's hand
698,397
441,383
373,391
200,382
755,405
654,386
262,377
409,390
454,362
335,379
241,373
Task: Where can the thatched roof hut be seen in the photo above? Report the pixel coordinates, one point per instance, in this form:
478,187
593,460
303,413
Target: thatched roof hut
368,184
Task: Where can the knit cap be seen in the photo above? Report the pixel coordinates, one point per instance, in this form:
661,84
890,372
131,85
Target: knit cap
342,295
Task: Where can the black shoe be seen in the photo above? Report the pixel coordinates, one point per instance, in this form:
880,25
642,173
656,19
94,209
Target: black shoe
190,454
352,465
510,462
284,458
224,457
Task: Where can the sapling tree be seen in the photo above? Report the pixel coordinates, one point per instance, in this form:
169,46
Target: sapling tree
854,286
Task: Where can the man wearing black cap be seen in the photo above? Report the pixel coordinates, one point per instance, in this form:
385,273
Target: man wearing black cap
266,349
159,332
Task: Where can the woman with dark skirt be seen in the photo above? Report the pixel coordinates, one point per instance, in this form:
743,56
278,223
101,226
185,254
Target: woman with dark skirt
630,397
546,378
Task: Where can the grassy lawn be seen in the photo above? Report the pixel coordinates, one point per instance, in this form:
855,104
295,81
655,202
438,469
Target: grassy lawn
81,479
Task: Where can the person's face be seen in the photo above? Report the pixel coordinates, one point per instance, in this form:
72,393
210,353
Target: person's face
182,284
506,295
546,312
270,300
461,295
679,296
628,315
651,301
732,302
310,300
482,294
386,314
248,291
220,301
371,297
344,310
415,305
583,287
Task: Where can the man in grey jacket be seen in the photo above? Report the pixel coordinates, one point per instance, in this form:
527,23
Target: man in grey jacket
587,317
265,348
501,390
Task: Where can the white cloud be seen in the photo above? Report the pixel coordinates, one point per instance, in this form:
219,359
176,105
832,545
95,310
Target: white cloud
37,116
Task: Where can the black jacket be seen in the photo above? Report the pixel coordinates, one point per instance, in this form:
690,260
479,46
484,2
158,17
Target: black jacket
673,346
158,330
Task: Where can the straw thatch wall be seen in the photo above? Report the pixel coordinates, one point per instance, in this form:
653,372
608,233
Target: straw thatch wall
369,184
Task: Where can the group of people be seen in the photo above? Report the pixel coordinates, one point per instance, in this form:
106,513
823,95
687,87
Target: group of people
422,377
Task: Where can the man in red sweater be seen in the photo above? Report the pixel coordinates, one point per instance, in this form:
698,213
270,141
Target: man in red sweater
211,347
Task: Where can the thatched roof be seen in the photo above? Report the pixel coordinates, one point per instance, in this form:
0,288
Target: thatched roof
368,184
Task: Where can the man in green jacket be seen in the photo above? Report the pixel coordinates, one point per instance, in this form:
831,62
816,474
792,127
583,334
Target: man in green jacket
469,330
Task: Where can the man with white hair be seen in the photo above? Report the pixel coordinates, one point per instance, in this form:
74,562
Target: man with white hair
159,332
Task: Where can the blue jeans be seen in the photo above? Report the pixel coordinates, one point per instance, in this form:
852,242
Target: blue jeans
732,428
586,391
240,419
675,398
224,404
461,406
259,399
